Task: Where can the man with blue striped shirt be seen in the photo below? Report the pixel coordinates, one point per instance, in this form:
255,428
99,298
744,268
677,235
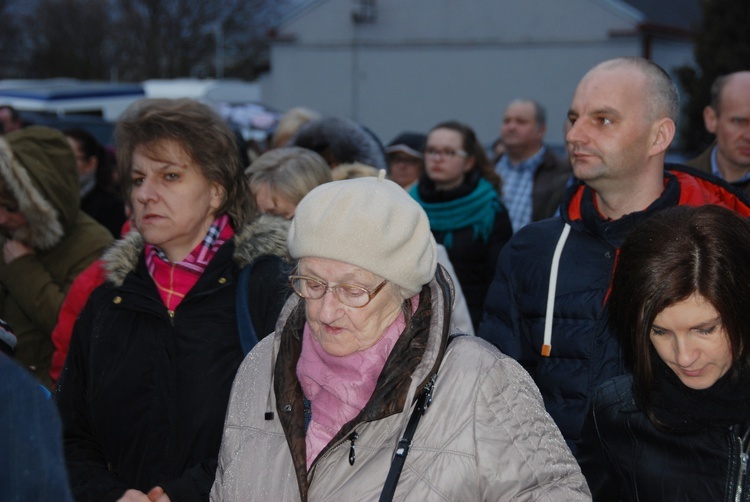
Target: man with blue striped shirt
533,177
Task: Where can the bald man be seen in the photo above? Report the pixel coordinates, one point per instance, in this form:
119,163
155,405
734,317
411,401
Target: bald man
620,124
728,117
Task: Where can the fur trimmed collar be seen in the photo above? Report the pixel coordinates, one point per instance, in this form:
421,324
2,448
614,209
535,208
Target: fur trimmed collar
265,235
44,229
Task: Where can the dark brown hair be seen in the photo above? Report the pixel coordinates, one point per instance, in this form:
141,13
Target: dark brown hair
201,133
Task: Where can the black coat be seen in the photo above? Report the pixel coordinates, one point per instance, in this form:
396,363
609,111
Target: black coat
626,458
143,393
474,261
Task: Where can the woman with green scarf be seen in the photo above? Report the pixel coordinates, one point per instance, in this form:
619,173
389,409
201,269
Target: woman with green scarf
459,190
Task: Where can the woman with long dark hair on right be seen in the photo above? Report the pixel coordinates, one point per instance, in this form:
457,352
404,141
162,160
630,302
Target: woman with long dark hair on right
679,428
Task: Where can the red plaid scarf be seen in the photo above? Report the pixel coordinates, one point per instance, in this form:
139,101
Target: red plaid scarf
174,280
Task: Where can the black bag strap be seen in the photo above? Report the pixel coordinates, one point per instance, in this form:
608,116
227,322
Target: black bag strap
404,444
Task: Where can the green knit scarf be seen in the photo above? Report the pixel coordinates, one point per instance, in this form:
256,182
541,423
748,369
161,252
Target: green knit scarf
476,210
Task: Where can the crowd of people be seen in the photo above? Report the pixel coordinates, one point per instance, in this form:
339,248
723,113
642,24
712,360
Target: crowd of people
349,319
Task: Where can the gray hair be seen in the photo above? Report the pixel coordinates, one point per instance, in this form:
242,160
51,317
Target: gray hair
540,113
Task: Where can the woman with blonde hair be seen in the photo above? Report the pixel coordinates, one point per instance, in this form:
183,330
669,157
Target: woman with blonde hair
280,178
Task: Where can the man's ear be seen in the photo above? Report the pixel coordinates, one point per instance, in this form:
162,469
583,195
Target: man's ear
665,131
710,118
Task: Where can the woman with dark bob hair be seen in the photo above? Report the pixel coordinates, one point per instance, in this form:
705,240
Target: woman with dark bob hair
679,428
153,354
363,393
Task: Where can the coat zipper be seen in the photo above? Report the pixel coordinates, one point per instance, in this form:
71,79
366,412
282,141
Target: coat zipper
743,466
741,478
353,436
352,453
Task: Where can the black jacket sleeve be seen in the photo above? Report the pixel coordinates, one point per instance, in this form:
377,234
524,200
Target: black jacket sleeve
593,454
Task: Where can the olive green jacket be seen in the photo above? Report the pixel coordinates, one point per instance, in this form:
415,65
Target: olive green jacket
39,169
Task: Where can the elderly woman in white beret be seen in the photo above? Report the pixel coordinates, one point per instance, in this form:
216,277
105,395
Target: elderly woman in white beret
363,394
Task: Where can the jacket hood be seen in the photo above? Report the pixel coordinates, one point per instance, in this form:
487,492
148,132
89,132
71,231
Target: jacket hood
39,169
265,235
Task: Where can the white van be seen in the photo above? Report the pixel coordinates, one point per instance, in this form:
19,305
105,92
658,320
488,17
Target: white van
69,96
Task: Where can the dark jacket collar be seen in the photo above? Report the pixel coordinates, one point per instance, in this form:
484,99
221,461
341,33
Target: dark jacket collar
682,186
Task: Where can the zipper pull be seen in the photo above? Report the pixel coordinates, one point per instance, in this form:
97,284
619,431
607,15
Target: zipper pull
428,392
741,476
352,454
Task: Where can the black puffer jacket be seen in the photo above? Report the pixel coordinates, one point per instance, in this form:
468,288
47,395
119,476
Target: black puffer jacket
143,394
626,458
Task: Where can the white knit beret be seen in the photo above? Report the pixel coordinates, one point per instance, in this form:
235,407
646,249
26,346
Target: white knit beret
371,223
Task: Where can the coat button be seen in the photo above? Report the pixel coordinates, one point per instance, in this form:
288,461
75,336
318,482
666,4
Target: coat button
608,254
223,280
117,300
287,408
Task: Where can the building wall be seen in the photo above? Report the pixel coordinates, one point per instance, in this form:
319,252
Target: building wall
455,65
469,21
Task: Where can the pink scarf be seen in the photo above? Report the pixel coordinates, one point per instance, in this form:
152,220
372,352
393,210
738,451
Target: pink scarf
339,387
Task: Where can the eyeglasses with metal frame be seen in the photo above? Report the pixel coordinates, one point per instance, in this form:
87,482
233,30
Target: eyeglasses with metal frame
351,295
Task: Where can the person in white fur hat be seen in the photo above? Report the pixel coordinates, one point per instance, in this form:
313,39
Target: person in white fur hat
319,410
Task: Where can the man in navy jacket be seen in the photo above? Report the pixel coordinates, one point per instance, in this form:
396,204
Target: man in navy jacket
546,306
